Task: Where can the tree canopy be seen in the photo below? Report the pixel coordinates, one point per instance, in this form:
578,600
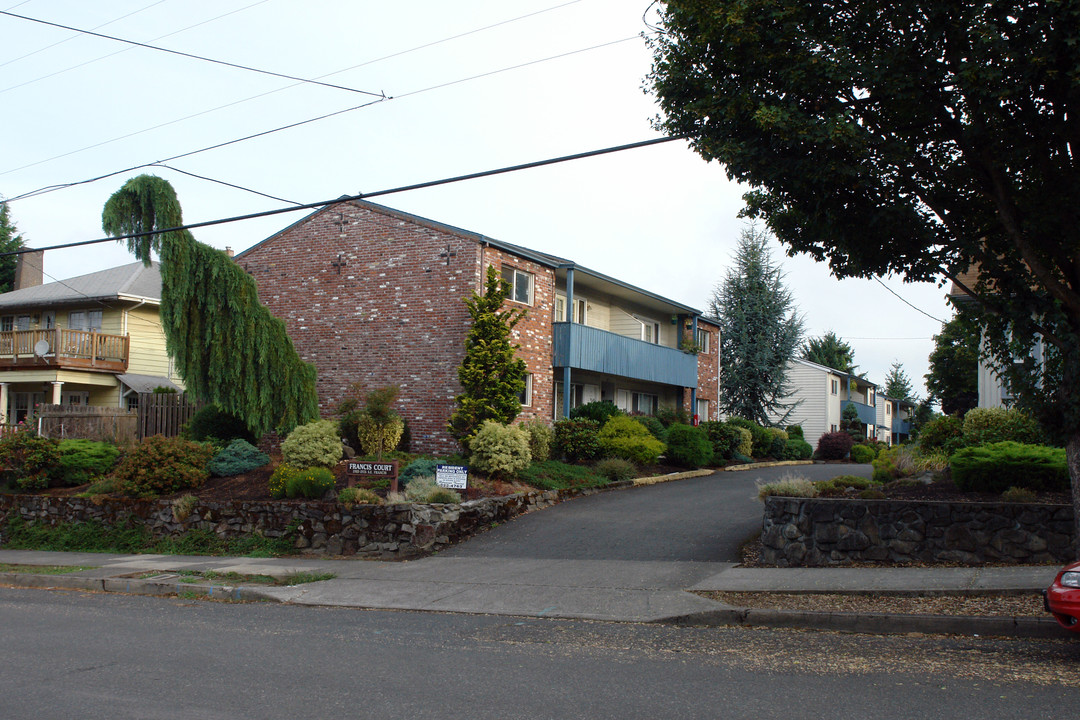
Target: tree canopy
10,240
916,137
829,350
898,385
228,348
953,379
759,333
491,377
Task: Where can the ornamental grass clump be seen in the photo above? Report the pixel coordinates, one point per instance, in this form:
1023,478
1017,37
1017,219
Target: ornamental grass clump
358,496
425,490
315,444
788,486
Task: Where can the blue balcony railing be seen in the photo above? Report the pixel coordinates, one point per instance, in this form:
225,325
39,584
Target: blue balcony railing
903,427
867,413
585,348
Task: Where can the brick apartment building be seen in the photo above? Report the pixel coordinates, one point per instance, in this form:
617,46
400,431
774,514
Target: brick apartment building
374,295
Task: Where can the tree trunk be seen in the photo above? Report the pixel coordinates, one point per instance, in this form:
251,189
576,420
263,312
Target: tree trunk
1072,456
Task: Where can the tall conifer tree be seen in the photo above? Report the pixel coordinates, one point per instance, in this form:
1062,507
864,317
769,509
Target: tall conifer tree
10,240
491,377
228,348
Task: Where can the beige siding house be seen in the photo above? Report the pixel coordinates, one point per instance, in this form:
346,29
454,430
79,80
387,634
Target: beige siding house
91,340
822,393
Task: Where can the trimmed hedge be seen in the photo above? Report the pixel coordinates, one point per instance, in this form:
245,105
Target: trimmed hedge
688,446
998,466
862,454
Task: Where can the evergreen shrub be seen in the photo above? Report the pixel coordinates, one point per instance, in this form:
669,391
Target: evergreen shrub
83,461
725,439
599,410
777,443
576,440
983,426
159,465
420,467
312,483
211,422
795,431
238,457
501,451
28,460
688,446
541,437
672,416
760,438
654,426
862,454
616,469
624,437
744,448
798,449
997,466
941,432
834,445
315,444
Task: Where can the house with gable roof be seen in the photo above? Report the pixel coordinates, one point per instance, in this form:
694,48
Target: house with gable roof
375,296
95,339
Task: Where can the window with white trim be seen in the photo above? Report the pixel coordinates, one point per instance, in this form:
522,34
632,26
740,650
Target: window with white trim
645,403
84,320
703,337
581,306
650,331
702,410
525,398
834,386
521,284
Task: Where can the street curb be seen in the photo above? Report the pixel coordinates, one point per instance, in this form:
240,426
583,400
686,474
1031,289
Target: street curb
778,463
134,586
656,479
874,623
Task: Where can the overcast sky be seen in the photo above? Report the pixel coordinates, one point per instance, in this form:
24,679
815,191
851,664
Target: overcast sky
471,85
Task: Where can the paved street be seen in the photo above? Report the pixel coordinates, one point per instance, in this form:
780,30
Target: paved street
112,656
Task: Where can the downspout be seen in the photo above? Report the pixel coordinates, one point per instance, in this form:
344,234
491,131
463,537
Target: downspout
693,390
569,340
120,401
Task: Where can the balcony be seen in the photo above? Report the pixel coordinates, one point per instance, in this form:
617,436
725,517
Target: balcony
63,349
902,427
585,348
867,413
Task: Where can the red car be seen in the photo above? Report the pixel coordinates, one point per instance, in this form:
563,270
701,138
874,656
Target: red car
1062,598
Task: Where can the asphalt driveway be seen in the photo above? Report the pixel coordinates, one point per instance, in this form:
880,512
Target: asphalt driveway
701,519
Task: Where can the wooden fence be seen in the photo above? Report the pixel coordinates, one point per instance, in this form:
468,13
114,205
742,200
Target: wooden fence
164,413
114,425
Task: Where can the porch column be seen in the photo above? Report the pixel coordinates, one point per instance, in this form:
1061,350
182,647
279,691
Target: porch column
4,403
569,319
56,385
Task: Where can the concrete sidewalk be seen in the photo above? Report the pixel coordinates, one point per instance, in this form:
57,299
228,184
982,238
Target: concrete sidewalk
607,590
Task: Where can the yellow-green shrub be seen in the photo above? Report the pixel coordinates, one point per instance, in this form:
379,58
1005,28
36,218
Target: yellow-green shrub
500,450
316,444
624,437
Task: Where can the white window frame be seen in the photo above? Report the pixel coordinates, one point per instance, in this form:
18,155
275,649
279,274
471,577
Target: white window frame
526,394
652,326
581,309
580,394
624,400
703,337
834,386
84,320
516,278
702,409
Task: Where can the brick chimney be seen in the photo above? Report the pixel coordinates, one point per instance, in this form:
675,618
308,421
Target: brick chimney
29,270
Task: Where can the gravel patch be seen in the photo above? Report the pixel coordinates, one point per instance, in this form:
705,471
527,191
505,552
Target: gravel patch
1027,605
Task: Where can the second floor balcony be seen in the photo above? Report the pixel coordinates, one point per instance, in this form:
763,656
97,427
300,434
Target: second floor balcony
867,413
587,348
63,349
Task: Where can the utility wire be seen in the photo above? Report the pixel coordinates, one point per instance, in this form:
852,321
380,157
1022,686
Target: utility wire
160,37
53,188
190,55
359,196
72,37
222,182
903,300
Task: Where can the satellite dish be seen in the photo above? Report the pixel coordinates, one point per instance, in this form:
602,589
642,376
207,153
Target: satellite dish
41,348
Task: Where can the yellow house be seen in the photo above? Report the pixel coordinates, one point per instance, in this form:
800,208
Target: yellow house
90,340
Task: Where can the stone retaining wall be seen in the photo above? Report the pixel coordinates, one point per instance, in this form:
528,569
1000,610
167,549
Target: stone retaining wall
318,527
814,532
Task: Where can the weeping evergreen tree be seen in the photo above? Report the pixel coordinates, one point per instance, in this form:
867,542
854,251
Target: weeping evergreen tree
228,348
492,379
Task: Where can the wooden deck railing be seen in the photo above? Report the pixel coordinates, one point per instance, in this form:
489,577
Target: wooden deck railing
85,349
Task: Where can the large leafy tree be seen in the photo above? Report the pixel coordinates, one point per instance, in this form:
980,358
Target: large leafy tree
916,137
228,348
492,378
953,379
10,241
759,333
829,350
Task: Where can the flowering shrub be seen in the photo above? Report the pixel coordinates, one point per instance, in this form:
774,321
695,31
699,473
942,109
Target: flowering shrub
280,479
312,483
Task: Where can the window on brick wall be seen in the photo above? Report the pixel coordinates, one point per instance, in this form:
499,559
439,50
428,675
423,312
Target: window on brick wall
702,340
526,394
520,282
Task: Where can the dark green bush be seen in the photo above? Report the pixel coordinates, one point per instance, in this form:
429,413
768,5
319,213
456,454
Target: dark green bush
777,443
798,449
671,416
998,466
935,434
654,426
616,469
312,483
576,440
760,438
834,446
82,461
862,454
28,460
159,465
795,431
688,446
238,457
983,426
724,438
600,411
553,475
213,422
421,467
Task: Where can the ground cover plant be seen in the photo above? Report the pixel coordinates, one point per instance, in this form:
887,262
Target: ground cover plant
81,461
556,475
999,466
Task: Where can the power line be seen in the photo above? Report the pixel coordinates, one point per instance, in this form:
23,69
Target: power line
906,302
190,55
109,55
360,196
53,188
222,182
72,37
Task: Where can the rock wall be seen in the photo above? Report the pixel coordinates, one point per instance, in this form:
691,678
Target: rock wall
316,527
813,532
